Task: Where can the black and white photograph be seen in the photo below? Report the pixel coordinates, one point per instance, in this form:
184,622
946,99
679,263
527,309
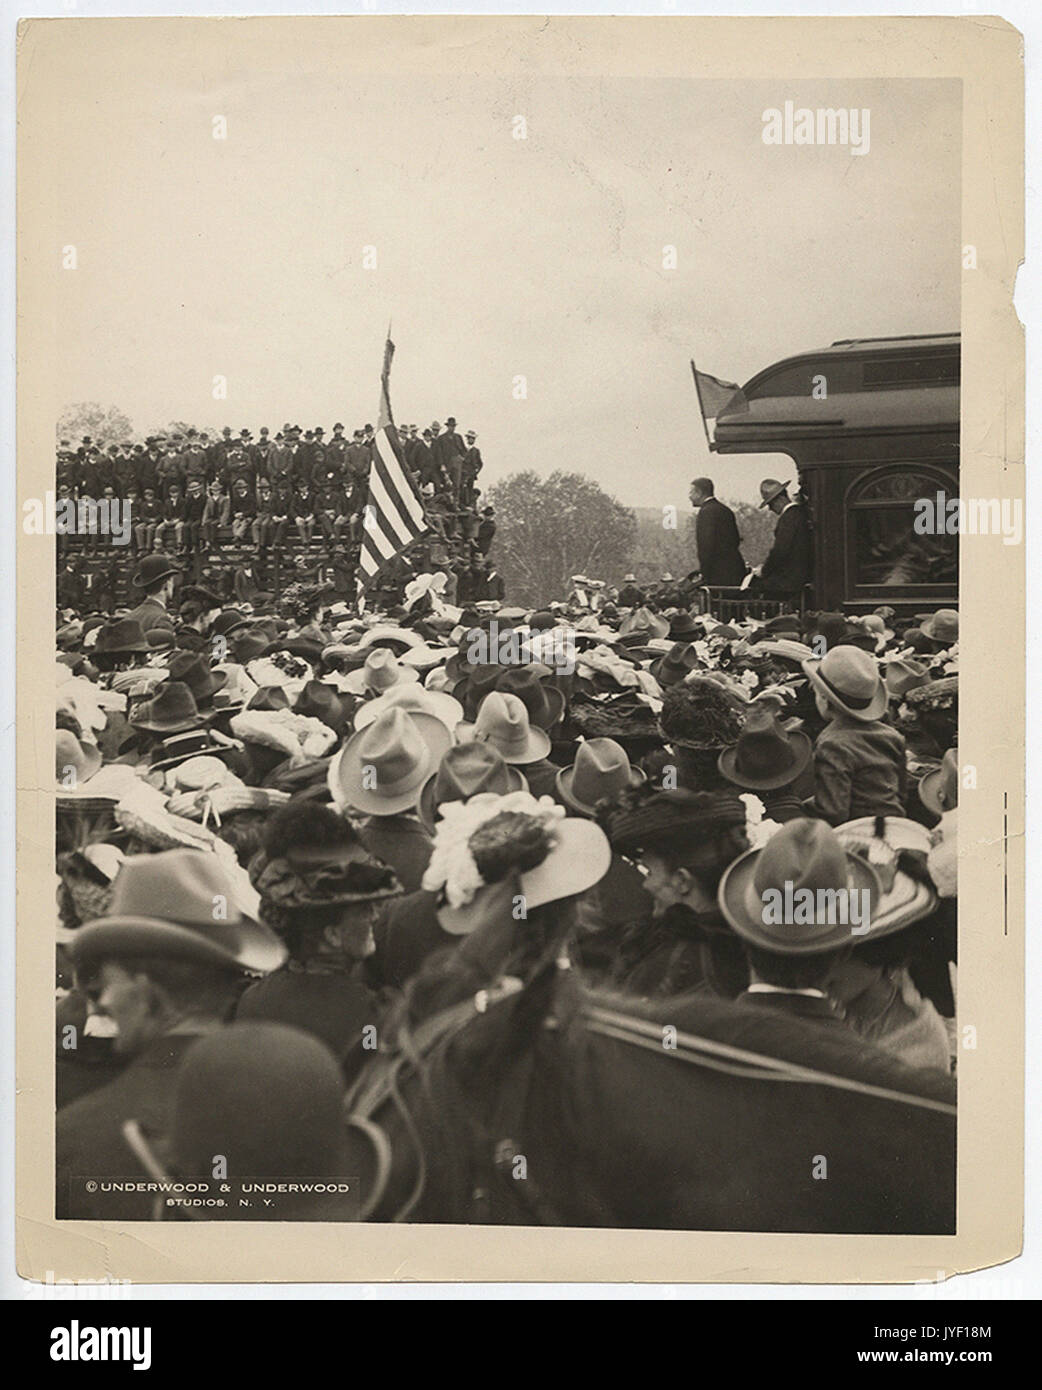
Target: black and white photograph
509,535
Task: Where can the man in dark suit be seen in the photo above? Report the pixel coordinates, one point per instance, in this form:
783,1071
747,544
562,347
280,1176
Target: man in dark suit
155,579
790,565
716,535
449,451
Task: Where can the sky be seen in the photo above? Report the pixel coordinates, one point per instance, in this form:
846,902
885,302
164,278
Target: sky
497,257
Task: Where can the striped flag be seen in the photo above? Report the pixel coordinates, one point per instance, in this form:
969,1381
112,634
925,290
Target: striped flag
394,514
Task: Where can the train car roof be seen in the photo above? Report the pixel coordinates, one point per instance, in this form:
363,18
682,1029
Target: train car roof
862,395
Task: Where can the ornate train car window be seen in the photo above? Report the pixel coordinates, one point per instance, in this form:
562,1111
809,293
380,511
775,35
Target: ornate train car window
885,546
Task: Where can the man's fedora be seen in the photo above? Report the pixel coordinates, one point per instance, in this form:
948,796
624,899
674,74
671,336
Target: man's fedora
766,756
683,627
802,855
75,761
904,675
939,789
849,678
152,569
771,488
381,769
381,672
640,625
193,671
163,905
413,699
465,770
601,769
173,710
320,701
119,636
942,627
503,721
676,665
532,686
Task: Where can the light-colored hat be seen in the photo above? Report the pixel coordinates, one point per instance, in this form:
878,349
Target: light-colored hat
905,675
942,627
75,762
413,699
939,789
601,769
503,721
382,672
771,488
803,855
163,905
381,769
849,678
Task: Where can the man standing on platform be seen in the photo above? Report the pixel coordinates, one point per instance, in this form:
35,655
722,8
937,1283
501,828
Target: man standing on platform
790,564
716,534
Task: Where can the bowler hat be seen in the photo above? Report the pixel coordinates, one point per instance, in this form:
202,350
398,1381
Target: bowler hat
465,770
766,755
152,569
601,769
804,855
164,905
228,621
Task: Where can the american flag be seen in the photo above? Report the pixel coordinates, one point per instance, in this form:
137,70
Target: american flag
394,514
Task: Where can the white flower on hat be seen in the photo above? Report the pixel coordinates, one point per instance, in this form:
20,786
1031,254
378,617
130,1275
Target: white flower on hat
758,830
452,867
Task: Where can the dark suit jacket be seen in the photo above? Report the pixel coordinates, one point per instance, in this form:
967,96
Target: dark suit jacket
151,614
407,935
716,534
790,564
89,1143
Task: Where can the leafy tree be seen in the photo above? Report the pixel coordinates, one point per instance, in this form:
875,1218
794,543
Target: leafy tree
756,528
548,529
104,424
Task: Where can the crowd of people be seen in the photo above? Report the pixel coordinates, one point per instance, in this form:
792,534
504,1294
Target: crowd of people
275,816
267,506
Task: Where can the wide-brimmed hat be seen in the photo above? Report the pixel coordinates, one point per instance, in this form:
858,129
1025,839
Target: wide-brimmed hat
152,569
803,855
771,488
424,657
897,849
849,678
170,711
601,769
466,770
75,762
178,748
193,671
413,699
684,627
503,721
320,701
381,671
904,675
939,789
163,905
676,665
766,755
120,635
642,624
942,627
533,686
381,769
